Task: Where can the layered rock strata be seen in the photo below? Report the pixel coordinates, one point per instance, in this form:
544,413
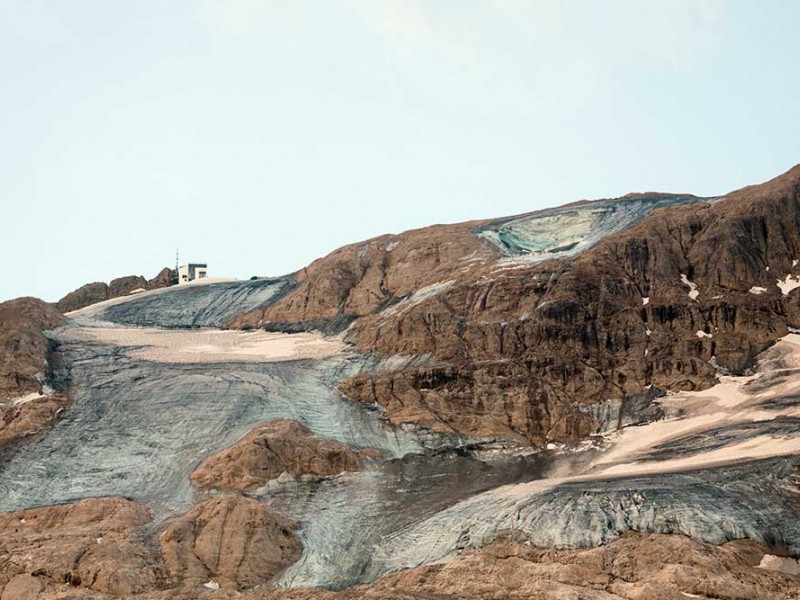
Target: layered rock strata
533,349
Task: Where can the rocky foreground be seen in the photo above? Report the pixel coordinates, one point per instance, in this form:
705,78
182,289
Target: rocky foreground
595,401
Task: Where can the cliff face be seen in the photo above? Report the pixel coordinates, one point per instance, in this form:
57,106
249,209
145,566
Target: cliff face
23,346
530,347
98,291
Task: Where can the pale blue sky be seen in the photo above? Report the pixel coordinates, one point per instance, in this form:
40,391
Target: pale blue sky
258,135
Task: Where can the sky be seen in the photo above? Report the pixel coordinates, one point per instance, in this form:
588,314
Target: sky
258,135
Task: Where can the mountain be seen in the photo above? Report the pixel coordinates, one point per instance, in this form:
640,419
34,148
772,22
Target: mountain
529,338
594,401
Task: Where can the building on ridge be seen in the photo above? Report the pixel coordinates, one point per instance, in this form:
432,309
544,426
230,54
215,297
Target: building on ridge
192,271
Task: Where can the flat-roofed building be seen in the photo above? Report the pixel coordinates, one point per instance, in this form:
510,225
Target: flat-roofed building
192,271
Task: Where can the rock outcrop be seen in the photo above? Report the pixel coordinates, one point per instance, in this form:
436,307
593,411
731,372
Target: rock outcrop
27,404
230,540
23,345
270,450
90,544
21,419
635,567
534,350
98,291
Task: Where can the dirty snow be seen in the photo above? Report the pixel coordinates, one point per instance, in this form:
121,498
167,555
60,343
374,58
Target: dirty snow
212,345
693,293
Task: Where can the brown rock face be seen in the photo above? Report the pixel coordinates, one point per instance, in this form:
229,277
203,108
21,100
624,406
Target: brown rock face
88,544
24,355
634,567
21,420
165,278
281,446
359,279
233,540
530,352
92,293
23,346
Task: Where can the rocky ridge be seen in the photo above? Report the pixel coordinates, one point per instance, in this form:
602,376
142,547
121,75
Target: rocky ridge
535,350
278,447
98,291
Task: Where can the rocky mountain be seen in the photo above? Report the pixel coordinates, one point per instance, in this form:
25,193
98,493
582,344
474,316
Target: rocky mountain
95,292
597,401
528,339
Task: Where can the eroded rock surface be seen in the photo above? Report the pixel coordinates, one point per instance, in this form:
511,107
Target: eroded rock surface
90,544
27,404
635,567
271,449
23,345
29,416
231,540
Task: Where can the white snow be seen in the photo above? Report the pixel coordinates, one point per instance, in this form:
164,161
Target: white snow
391,246
794,264
646,351
212,585
693,293
788,284
645,301
647,332
757,290
29,398
702,334
99,540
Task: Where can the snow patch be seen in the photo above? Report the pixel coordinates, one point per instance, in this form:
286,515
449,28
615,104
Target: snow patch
757,290
788,284
702,334
794,264
693,293
429,291
647,332
782,564
392,245
212,585
645,301
29,398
